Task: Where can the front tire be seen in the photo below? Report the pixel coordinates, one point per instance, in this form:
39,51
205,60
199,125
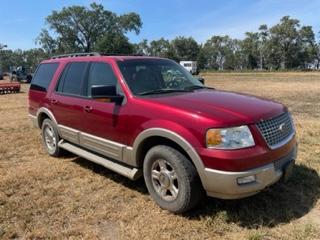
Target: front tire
171,179
50,138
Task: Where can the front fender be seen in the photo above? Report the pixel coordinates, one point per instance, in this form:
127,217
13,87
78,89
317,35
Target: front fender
176,133
169,126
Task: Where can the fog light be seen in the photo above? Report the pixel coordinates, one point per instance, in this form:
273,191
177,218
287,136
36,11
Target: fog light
246,180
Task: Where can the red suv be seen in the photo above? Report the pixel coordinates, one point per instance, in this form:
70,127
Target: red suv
147,116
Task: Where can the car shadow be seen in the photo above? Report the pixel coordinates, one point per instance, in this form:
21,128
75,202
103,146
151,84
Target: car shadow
281,203
137,185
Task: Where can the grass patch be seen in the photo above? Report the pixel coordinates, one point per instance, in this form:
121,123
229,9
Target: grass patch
43,197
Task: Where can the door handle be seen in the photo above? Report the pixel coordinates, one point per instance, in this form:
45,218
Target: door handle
54,101
87,109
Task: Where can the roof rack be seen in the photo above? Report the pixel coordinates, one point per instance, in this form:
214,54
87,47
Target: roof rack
77,55
93,54
120,54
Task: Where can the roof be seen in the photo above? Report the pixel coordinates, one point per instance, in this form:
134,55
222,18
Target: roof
95,55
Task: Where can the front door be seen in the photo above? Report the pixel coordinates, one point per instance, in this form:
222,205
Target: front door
105,126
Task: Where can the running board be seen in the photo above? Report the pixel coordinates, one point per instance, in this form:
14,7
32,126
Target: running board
132,173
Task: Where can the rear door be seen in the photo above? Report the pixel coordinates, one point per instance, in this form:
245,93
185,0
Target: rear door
67,101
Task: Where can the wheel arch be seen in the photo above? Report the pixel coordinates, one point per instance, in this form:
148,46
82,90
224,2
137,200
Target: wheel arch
154,136
152,141
44,113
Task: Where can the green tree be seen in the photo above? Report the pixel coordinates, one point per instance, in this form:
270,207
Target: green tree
251,47
317,56
284,39
286,45
201,58
2,46
262,47
48,43
27,58
238,59
114,43
78,28
219,52
159,48
32,57
308,46
185,49
142,47
11,58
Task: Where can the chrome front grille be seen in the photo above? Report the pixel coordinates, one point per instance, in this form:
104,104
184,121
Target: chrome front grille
277,131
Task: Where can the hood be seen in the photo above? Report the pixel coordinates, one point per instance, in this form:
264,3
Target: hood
224,108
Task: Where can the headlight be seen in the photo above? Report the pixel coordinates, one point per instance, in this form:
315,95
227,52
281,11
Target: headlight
229,138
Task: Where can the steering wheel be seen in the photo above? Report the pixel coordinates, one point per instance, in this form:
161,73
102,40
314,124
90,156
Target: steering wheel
174,83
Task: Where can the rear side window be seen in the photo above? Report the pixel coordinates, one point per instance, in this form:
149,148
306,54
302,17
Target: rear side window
100,74
72,79
43,76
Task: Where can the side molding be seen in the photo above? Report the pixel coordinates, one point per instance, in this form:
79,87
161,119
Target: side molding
102,146
69,134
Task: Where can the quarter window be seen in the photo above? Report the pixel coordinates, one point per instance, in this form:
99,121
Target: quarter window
43,76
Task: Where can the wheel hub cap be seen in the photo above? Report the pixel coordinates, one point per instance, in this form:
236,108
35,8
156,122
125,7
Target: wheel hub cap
164,180
50,138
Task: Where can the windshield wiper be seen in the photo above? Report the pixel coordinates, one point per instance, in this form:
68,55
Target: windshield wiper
194,87
163,90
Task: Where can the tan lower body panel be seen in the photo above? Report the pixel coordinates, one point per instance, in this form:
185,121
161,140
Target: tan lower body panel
102,146
69,134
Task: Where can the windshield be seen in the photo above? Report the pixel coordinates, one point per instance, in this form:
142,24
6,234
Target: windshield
155,76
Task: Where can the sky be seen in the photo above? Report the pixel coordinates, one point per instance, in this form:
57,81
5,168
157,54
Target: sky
21,21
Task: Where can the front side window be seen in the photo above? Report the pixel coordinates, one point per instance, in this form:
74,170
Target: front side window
100,74
72,81
148,76
43,76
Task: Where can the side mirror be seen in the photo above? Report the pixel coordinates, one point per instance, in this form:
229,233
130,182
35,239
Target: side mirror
201,79
106,93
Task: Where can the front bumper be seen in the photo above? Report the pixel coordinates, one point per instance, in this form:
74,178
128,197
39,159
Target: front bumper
223,184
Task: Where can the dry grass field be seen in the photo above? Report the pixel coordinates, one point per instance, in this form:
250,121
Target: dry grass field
47,198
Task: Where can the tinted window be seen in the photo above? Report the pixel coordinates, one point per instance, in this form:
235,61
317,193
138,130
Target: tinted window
61,79
100,74
43,76
145,75
73,79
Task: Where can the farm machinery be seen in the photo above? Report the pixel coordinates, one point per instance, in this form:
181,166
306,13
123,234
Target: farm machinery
20,74
6,88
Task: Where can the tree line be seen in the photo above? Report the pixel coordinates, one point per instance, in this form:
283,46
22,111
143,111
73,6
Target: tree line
287,45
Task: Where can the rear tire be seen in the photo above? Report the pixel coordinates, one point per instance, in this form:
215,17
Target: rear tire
171,179
50,138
